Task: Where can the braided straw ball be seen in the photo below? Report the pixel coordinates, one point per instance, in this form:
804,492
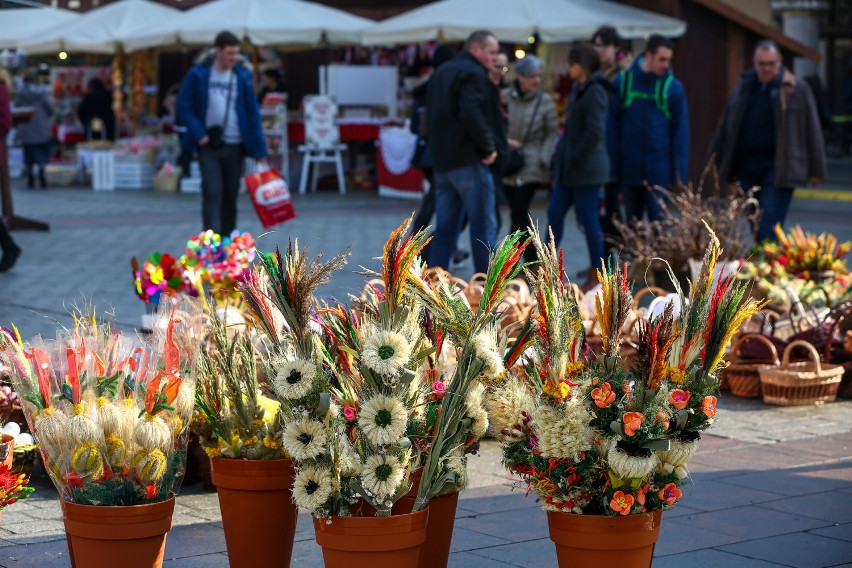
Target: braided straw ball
49,427
151,433
81,428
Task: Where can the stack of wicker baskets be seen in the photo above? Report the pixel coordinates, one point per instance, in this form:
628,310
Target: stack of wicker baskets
807,382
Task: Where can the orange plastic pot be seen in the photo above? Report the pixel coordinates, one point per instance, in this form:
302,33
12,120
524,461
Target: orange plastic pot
368,542
258,514
593,540
133,534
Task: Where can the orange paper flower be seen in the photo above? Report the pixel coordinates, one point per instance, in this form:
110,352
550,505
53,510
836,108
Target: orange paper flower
621,502
603,395
632,422
708,406
663,418
679,398
669,494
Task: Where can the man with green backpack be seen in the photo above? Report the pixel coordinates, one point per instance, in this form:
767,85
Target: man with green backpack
649,138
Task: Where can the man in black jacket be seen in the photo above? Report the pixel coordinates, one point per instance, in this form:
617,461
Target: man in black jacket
466,135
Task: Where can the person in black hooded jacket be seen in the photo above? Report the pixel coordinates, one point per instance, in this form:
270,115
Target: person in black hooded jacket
581,163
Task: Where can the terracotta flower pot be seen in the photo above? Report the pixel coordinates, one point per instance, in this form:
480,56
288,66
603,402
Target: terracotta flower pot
367,542
593,540
435,552
258,514
135,534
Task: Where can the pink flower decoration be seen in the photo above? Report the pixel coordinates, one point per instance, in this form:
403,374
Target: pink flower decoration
439,389
349,413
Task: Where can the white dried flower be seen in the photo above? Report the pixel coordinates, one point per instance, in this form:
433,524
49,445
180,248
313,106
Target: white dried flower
510,407
312,488
563,430
294,379
382,476
485,347
627,466
679,453
383,420
305,439
386,353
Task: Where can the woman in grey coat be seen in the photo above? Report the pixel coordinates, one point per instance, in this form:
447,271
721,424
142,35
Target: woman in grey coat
532,116
35,135
581,163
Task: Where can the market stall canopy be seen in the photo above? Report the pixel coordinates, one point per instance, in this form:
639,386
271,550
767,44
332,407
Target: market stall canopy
554,21
263,22
20,24
103,30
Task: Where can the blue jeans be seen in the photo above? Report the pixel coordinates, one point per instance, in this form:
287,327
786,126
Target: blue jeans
586,199
470,190
638,199
774,201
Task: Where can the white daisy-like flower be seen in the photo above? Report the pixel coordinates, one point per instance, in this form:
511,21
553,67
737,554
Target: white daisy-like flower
312,488
562,431
304,439
485,347
294,379
383,420
382,476
627,466
386,353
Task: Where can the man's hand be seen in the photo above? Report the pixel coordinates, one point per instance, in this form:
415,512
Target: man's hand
203,141
816,181
514,144
489,159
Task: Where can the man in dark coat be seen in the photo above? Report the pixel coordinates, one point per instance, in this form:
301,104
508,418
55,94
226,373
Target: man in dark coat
466,134
769,136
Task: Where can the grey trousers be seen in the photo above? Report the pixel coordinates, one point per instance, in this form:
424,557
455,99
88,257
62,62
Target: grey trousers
221,169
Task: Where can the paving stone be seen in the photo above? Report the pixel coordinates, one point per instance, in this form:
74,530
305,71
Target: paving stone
192,540
793,482
678,536
470,560
717,494
754,521
803,550
828,506
53,554
202,561
528,554
709,558
513,525
464,539
842,531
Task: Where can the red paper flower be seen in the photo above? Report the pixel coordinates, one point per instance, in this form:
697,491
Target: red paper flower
603,395
622,502
632,421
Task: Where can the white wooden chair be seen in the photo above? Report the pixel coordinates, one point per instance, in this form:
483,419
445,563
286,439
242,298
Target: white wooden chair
322,141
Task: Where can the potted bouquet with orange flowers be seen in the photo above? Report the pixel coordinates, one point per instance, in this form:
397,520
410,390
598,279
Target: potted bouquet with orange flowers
109,416
604,442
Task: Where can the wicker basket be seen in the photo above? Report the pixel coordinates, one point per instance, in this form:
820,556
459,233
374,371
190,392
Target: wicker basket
808,382
742,375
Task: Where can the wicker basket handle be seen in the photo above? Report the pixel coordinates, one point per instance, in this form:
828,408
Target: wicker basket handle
656,291
810,348
735,352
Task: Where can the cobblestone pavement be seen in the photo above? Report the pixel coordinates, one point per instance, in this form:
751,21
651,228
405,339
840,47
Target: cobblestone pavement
770,486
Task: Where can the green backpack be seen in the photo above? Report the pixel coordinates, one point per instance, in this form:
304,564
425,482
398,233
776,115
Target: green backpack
660,96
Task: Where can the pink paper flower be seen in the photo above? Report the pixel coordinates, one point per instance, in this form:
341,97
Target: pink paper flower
439,389
349,413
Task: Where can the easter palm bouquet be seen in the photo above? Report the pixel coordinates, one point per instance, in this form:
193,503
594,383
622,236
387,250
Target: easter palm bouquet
604,435
109,414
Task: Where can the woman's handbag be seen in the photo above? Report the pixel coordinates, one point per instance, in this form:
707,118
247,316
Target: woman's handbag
515,162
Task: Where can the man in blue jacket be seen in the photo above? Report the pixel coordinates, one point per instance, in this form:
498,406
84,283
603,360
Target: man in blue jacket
218,106
650,138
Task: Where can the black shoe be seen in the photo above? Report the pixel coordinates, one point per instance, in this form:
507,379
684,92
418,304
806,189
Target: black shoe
10,257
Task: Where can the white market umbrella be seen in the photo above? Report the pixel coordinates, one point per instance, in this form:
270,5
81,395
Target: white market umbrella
263,22
20,24
104,30
555,21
